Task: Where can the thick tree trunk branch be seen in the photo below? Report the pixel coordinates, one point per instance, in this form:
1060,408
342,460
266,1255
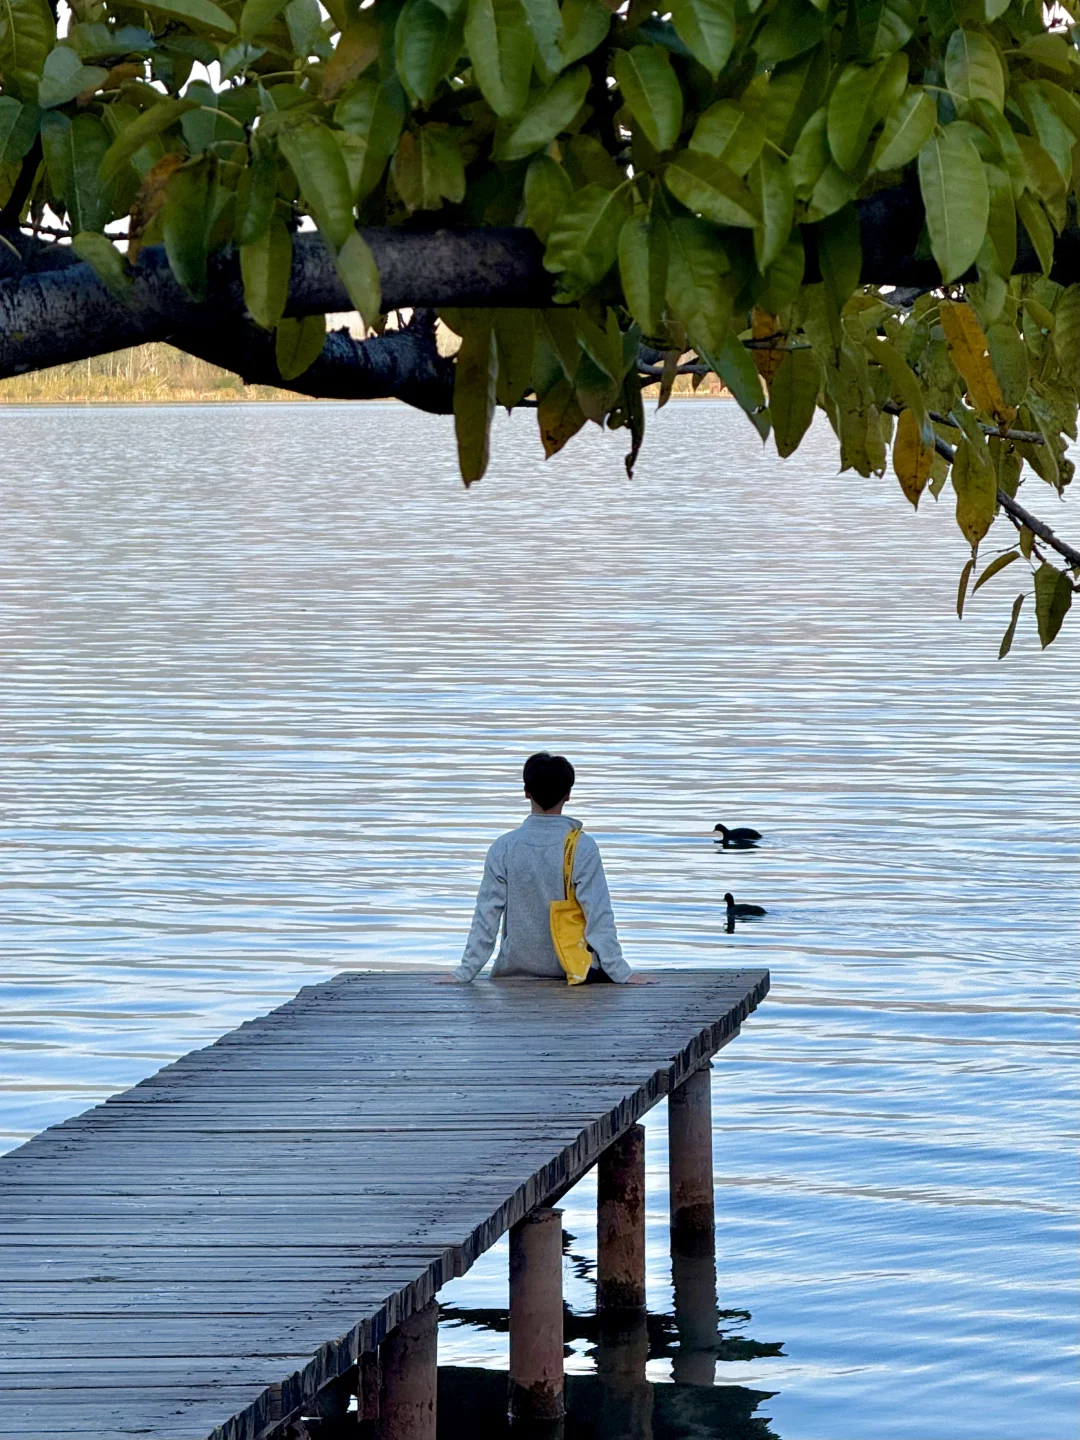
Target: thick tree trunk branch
400,364
48,317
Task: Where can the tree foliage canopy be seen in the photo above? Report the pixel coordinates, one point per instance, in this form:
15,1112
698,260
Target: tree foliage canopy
694,175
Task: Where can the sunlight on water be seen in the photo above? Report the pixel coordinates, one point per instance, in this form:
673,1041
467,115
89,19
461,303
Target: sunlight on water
269,677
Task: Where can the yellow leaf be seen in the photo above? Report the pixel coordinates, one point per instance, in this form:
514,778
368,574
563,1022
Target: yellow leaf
969,351
560,417
150,200
357,47
912,460
768,359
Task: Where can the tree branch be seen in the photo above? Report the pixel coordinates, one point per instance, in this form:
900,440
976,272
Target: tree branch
50,316
400,364
1016,512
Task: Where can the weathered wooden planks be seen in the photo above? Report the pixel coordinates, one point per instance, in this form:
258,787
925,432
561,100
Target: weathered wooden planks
206,1250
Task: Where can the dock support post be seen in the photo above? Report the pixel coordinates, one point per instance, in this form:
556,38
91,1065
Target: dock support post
536,1317
409,1378
620,1224
690,1164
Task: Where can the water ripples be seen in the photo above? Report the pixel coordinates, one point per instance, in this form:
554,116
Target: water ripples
269,677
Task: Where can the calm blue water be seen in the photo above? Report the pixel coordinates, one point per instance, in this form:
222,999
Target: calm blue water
269,674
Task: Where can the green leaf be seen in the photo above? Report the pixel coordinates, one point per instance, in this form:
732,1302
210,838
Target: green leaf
265,264
319,166
643,267
27,34
104,259
735,366
905,383
956,199
142,129
975,483
853,111
256,191
728,132
961,590
546,115
421,49
1009,357
973,70
1067,330
1053,596
710,188
698,293
652,92
18,129
373,113
793,399
476,371
994,568
515,342
908,126
1038,228
883,26
585,237
258,15
360,276
501,49
1007,638
840,254
187,217
74,150
196,13
64,76
546,23
707,29
298,344
585,24
772,189
548,191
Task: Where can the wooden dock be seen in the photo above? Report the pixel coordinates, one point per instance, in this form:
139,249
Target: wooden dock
205,1253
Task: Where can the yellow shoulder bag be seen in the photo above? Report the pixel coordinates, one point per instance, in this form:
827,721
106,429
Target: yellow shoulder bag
568,920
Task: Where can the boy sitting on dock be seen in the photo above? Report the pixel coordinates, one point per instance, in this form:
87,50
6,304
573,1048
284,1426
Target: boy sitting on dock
523,875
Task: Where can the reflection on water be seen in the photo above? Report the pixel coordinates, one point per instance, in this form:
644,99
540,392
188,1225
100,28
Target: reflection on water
617,1401
268,677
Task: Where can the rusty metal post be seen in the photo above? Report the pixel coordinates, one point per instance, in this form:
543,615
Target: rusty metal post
409,1378
620,1224
690,1164
536,1317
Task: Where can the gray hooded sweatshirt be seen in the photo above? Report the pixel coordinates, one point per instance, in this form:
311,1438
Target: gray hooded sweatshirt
522,875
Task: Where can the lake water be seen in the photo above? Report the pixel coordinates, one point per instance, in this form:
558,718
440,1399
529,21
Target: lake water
269,675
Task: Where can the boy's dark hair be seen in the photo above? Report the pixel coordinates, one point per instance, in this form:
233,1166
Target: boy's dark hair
548,778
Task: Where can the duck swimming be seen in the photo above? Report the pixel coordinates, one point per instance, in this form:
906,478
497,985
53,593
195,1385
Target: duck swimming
741,912
741,838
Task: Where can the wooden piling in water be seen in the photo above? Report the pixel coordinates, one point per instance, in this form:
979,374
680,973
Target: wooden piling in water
690,1164
620,1223
409,1374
